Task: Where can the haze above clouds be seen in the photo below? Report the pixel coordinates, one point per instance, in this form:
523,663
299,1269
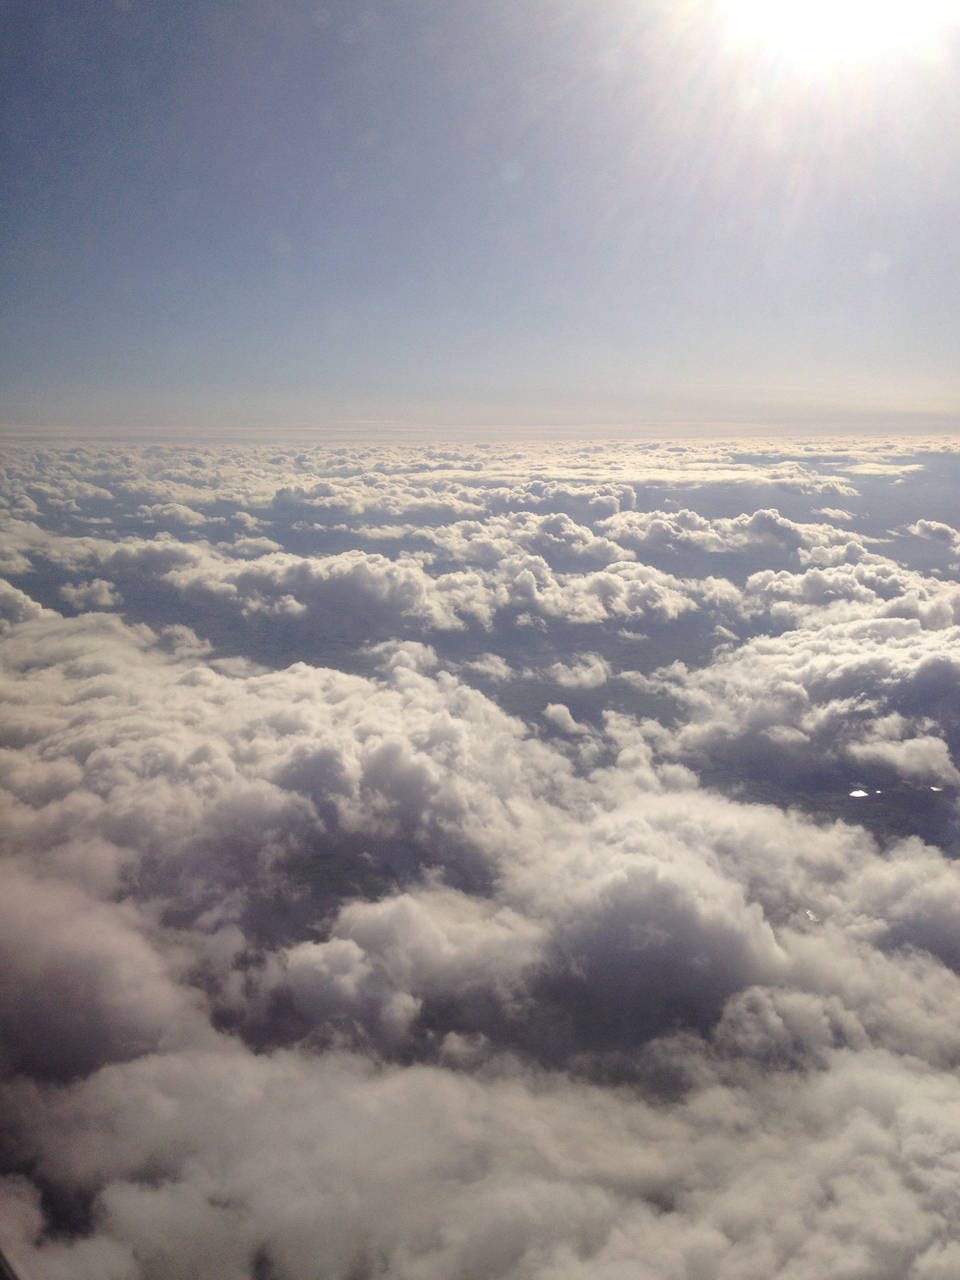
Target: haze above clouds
442,862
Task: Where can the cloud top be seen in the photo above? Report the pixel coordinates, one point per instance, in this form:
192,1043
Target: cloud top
443,863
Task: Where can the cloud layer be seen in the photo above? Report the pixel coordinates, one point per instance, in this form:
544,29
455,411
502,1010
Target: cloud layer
440,863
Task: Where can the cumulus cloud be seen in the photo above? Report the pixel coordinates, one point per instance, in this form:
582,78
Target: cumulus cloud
376,900
16,606
98,594
764,529
559,715
588,672
936,531
925,756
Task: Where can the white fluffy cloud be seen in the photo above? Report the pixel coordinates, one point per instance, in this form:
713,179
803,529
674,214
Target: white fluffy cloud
376,900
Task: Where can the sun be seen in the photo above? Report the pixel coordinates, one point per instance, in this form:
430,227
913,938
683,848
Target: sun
839,33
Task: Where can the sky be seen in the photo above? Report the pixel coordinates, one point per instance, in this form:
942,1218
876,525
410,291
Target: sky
520,862
306,215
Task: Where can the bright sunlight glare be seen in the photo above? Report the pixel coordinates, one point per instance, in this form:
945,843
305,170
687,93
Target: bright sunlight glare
839,32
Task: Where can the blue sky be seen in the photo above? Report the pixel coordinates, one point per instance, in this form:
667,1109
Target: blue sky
297,214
